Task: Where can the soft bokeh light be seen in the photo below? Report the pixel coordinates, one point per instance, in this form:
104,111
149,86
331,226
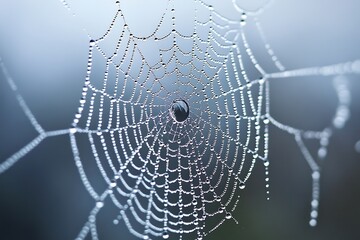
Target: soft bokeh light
45,50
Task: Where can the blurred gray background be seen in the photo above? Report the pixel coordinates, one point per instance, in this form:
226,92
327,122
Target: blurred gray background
45,51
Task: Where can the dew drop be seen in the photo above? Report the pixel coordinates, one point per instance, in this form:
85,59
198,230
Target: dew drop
92,218
165,235
99,204
314,203
113,184
322,152
357,146
313,222
314,214
179,110
73,130
266,163
315,175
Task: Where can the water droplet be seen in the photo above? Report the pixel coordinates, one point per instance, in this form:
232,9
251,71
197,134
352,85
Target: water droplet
92,218
315,175
165,235
179,110
99,204
314,203
73,130
228,215
242,185
322,152
113,184
313,222
357,146
314,214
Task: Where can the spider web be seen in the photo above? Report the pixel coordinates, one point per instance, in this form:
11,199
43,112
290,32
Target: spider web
170,179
